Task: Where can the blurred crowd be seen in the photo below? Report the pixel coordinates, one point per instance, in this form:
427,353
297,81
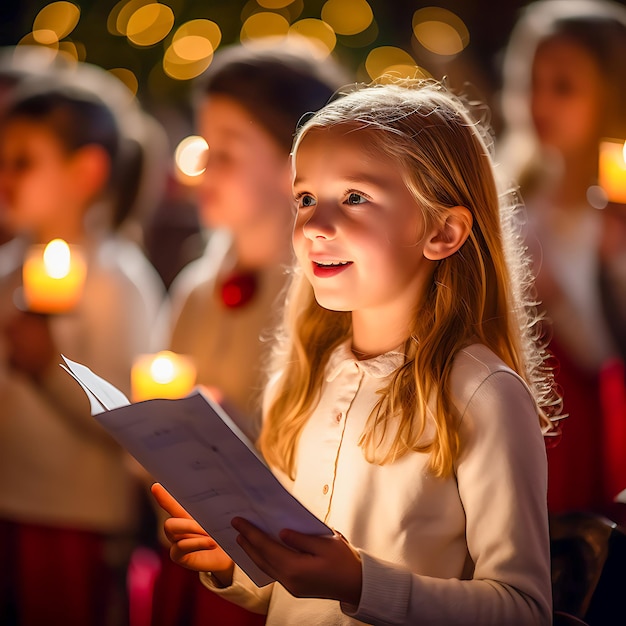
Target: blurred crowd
198,270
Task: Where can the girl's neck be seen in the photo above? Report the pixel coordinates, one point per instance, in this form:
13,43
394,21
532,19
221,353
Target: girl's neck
373,335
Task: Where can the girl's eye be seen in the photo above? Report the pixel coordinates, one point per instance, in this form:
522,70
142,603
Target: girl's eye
356,198
306,201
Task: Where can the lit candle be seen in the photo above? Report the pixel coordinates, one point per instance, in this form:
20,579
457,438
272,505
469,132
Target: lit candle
52,277
162,375
612,169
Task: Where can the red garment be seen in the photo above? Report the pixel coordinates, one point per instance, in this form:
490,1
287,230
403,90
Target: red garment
57,576
575,464
180,599
613,395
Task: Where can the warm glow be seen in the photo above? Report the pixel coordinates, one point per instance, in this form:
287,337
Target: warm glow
30,40
45,36
59,17
317,32
347,17
150,24
121,14
127,77
70,50
274,4
262,25
190,155
612,169
440,31
381,60
179,68
162,375
196,40
53,277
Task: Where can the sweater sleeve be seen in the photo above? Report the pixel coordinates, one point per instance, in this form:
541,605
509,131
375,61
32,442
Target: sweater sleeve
501,477
242,591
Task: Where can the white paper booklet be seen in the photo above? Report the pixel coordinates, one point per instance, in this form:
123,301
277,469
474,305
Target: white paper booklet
203,459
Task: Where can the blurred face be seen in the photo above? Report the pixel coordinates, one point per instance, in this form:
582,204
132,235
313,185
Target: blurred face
359,233
247,175
567,96
35,176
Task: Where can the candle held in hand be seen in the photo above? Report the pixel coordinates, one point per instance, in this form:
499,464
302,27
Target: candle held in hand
53,277
162,375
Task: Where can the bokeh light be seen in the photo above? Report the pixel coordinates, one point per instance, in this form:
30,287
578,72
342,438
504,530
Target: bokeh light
127,77
150,24
122,12
30,40
265,24
190,159
274,4
440,31
347,17
317,32
55,20
390,59
196,40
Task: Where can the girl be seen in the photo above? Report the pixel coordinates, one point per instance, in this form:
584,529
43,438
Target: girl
68,502
408,396
564,90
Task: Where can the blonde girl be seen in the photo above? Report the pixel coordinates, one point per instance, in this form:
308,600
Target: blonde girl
408,395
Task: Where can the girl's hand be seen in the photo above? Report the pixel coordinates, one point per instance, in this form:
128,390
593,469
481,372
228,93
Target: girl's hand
307,566
191,546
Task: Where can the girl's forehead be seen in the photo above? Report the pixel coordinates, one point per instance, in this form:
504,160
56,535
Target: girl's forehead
351,135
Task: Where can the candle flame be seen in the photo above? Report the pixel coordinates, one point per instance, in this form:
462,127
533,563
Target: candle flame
56,259
624,152
162,369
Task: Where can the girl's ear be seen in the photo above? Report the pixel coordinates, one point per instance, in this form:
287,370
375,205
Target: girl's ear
445,239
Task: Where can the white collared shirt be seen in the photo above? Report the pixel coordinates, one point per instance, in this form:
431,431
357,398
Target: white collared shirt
469,549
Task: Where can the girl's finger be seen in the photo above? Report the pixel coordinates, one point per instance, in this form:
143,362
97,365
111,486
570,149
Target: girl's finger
166,501
177,528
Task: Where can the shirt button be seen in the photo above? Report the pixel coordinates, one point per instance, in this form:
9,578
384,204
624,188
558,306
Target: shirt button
338,417
325,489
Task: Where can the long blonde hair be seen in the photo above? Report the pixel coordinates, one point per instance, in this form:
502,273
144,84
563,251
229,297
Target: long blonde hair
480,293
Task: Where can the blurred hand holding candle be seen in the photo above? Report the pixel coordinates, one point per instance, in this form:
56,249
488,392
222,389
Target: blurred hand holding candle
612,169
162,375
53,276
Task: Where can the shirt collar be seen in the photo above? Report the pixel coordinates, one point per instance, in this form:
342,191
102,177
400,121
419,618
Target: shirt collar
378,366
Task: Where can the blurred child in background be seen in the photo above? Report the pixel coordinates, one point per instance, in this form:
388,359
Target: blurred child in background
68,503
565,90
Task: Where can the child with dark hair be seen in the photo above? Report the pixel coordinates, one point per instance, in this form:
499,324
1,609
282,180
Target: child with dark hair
248,104
67,498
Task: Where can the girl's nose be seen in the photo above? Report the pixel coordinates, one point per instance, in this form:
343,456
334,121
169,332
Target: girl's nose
320,224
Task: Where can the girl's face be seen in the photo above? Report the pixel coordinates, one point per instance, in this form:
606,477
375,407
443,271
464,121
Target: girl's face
247,175
35,179
567,96
359,232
